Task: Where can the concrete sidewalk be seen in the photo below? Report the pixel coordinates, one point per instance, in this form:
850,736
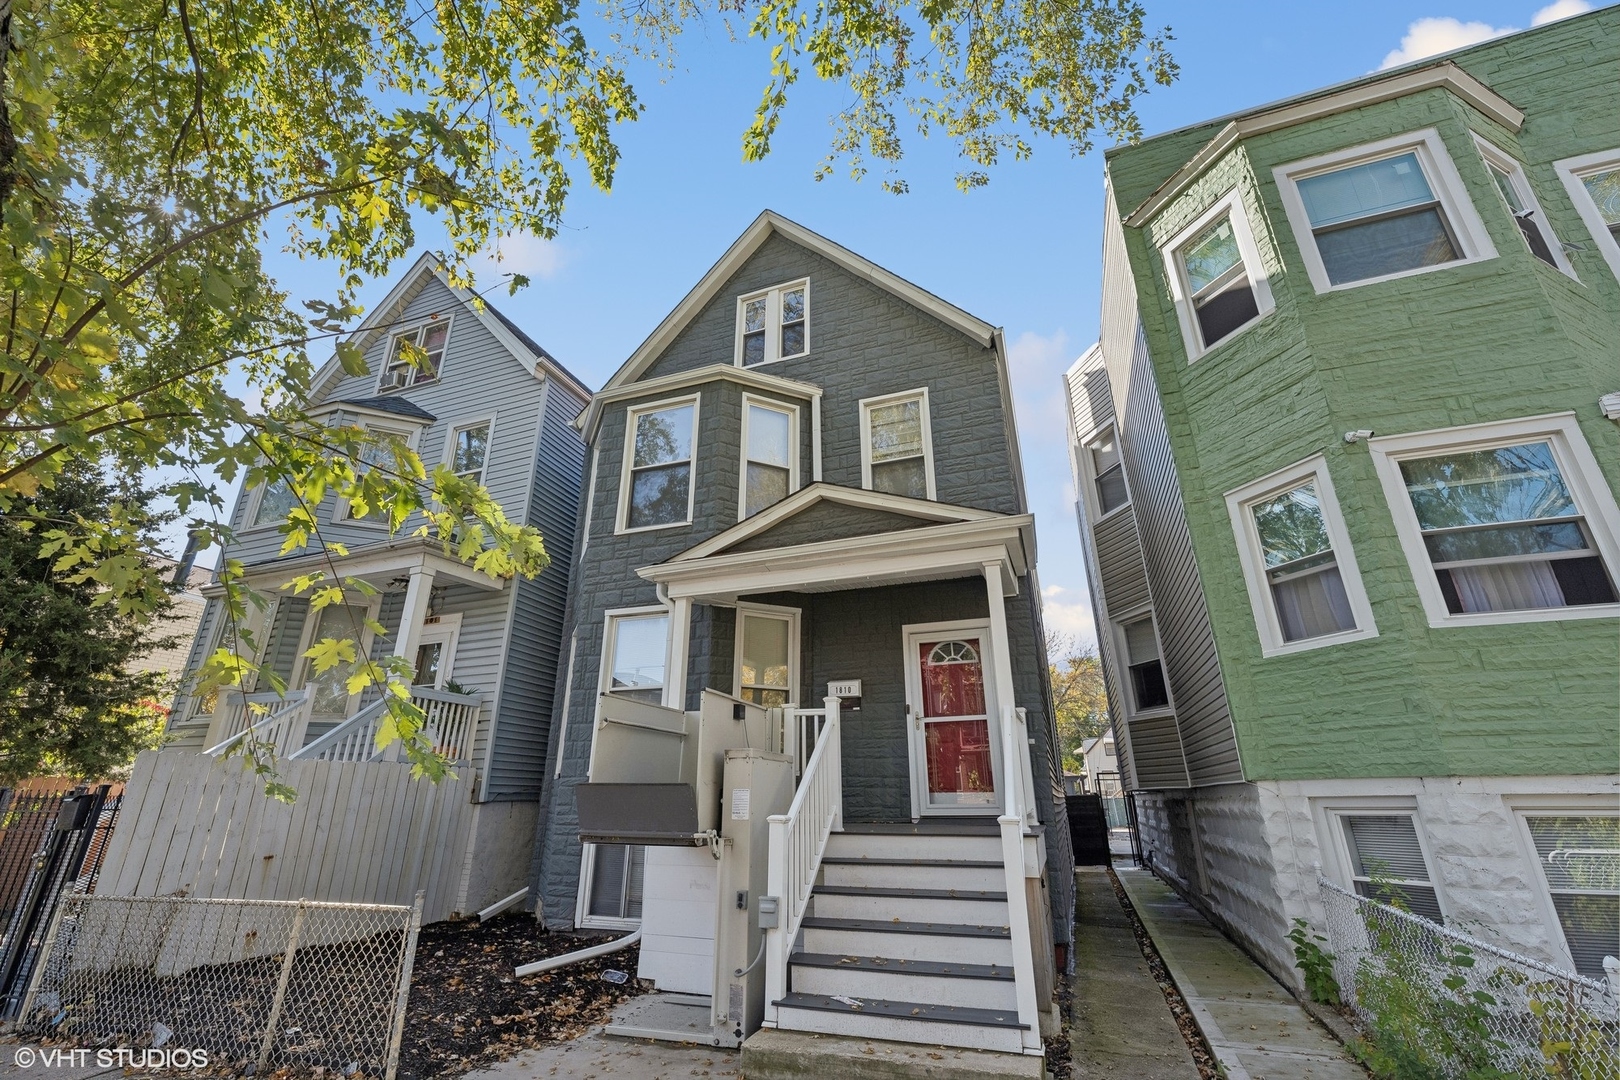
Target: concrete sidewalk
1256,1028
1121,1025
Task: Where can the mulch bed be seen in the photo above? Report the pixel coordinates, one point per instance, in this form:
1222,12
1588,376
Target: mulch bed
467,1009
1203,1057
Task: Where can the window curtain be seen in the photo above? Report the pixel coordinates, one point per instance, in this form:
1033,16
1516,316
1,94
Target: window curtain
1313,605
1507,586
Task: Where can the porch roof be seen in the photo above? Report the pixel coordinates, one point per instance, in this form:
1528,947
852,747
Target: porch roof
385,558
948,542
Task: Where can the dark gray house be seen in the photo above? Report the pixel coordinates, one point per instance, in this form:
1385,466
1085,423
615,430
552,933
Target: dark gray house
492,404
806,485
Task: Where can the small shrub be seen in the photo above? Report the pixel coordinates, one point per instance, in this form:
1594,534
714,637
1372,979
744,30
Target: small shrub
1315,963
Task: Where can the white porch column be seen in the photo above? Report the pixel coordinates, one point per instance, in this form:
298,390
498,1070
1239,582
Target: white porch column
1001,651
680,649
417,595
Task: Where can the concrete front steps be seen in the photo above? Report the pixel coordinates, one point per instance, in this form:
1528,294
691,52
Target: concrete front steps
907,940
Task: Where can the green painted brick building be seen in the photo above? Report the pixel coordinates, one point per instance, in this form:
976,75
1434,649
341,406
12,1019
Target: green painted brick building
1347,454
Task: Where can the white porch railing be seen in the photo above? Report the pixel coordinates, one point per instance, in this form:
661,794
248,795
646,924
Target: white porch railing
798,841
450,724
1017,812
801,729
283,726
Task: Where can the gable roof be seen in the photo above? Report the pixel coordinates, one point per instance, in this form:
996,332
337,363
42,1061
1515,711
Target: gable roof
389,404
428,266
925,511
770,223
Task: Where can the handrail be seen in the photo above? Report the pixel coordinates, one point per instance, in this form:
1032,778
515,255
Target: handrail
449,722
799,738
342,743
1015,763
798,840
292,703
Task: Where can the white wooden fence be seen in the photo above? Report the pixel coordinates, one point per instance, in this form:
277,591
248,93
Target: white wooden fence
359,832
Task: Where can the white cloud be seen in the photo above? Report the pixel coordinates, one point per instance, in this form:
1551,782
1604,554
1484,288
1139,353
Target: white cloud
1068,611
1559,9
1433,35
520,253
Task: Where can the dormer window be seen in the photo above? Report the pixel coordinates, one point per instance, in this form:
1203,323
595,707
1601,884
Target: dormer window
774,324
404,369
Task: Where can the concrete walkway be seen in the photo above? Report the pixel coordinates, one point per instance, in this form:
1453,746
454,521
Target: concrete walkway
1121,1025
1256,1028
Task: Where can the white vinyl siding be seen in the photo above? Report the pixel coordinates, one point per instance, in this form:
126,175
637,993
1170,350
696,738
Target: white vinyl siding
1381,211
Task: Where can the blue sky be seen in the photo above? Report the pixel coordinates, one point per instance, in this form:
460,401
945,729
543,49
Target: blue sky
1023,253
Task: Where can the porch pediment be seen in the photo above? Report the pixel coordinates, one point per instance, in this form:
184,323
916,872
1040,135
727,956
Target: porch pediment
826,537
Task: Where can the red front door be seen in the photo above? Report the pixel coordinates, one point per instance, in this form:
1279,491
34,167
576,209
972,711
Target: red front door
954,721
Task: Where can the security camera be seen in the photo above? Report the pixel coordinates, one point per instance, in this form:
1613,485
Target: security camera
1358,435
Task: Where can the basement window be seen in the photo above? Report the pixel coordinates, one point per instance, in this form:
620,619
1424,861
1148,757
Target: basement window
1579,858
611,878
1387,862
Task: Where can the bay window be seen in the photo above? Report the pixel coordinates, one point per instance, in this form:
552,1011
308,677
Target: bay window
1593,183
1216,277
656,489
770,468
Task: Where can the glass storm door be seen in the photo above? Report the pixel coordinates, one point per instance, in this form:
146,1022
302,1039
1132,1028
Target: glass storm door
330,688
952,732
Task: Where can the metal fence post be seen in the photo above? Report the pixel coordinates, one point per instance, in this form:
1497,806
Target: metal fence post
281,985
43,960
405,965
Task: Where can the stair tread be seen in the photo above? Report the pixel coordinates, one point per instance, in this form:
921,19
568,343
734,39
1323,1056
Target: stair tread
862,860
987,826
896,926
914,894
904,1010
936,968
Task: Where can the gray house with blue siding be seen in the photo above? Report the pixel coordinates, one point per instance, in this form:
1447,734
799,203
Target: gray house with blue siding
806,485
493,404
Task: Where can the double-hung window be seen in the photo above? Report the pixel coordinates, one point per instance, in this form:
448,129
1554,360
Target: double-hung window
469,451
1215,276
1303,582
1107,471
1593,183
897,448
774,324
1375,212
381,451
770,471
1514,185
415,356
637,648
1504,521
767,644
658,457
1144,669
1387,862
275,501
1579,856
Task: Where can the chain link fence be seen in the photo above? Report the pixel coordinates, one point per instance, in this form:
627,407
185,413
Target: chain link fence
295,985
1456,1006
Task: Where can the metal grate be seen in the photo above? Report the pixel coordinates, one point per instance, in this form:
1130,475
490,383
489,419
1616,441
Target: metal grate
1462,1006
295,985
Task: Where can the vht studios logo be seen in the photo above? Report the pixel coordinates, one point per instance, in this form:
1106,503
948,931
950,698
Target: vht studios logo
123,1057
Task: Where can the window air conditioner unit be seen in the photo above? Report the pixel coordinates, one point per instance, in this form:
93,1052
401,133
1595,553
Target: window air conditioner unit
397,379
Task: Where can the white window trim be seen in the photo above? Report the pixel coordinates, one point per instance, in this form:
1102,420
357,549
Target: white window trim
1570,171
868,404
1088,475
403,331
770,611
1580,469
468,424
1239,503
1116,630
1514,168
255,497
304,667
448,629
582,905
621,525
792,413
1438,169
1229,206
340,510
1554,806
1337,864
773,323
604,676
